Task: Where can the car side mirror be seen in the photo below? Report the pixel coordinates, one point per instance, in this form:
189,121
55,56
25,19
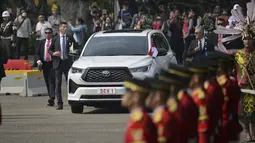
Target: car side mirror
162,52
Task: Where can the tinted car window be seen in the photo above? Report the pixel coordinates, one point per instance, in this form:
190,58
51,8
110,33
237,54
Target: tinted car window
116,46
160,42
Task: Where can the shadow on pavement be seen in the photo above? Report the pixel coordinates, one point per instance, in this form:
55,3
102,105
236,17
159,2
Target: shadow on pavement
117,110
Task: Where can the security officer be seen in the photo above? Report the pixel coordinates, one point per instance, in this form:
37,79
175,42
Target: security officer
141,127
7,34
166,122
198,95
230,127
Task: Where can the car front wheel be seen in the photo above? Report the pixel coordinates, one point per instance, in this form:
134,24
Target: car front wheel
77,109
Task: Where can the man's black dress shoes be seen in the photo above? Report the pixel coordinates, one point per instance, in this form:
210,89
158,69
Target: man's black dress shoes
60,107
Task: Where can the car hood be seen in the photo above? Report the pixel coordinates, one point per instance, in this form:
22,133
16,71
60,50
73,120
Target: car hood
112,61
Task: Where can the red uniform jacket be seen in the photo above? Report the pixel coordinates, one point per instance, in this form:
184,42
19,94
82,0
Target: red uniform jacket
141,128
199,97
214,101
190,115
230,128
167,126
176,110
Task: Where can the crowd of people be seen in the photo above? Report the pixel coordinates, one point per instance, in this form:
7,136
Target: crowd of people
179,29
202,106
53,45
16,34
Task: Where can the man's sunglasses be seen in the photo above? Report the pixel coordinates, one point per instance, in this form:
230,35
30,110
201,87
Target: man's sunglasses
48,32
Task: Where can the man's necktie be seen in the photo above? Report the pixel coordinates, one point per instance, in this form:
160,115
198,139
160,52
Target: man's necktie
47,56
200,45
64,54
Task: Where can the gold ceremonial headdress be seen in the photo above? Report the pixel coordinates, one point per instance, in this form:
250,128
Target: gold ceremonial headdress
245,27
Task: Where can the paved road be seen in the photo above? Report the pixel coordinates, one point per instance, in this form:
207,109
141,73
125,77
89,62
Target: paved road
29,120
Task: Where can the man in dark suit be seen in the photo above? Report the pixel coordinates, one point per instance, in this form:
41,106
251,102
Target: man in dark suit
44,62
200,46
62,62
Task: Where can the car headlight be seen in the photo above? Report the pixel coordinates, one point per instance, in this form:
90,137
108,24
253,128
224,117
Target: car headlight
140,69
76,70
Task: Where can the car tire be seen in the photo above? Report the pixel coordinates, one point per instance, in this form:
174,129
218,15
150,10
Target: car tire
77,109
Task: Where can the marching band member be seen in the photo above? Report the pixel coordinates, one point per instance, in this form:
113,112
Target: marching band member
166,122
198,94
141,127
230,127
187,108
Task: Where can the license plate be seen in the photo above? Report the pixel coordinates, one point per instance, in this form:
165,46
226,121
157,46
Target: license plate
106,91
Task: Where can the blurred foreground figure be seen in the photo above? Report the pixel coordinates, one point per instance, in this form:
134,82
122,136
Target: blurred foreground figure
140,128
165,120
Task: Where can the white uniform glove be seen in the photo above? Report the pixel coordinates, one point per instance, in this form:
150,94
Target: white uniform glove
39,63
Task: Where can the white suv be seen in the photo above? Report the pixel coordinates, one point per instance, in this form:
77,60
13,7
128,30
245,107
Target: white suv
108,57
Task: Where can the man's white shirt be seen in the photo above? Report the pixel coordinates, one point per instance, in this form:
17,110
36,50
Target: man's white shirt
61,44
203,43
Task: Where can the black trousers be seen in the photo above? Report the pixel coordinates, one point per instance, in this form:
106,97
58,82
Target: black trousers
177,46
63,68
49,77
22,42
7,45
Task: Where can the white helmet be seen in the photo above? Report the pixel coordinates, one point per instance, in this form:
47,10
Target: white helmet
6,14
236,6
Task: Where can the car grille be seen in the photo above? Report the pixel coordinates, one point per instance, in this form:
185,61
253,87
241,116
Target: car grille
106,75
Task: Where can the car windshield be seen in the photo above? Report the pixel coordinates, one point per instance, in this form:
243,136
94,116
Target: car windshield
116,46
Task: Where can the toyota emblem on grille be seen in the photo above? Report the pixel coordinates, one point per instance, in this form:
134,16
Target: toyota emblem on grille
106,73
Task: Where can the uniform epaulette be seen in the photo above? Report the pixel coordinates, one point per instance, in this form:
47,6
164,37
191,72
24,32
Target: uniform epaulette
180,94
200,93
172,105
206,85
137,116
157,117
222,80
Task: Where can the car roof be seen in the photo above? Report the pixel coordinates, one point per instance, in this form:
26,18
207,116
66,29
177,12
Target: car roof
131,32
